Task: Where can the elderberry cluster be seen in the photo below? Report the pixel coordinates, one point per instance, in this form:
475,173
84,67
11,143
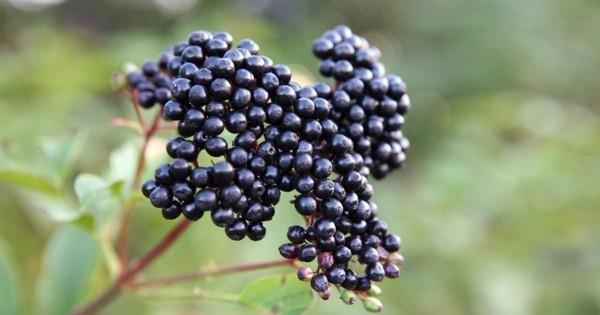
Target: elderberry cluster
150,85
266,135
368,105
334,197
218,91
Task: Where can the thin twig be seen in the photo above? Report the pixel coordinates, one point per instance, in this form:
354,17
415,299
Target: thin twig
136,108
135,183
236,268
114,289
195,293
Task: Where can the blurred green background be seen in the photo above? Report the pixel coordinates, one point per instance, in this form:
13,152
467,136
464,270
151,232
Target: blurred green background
498,207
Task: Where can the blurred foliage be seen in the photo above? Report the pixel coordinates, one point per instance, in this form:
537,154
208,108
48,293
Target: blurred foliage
498,207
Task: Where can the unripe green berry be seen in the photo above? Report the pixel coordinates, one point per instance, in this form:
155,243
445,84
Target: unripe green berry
349,297
374,290
372,304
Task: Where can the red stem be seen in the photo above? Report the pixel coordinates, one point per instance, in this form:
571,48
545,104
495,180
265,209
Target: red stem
140,165
215,271
113,290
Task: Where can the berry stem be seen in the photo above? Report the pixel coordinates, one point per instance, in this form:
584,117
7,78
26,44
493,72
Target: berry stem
114,289
136,109
135,183
236,268
191,294
141,162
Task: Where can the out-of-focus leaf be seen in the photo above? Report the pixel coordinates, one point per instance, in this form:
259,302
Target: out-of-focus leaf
67,266
55,207
123,162
86,222
281,295
29,180
61,153
8,283
96,194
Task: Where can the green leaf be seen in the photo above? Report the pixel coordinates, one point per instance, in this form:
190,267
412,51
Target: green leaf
54,207
67,265
43,193
62,153
8,283
281,295
123,162
26,179
96,194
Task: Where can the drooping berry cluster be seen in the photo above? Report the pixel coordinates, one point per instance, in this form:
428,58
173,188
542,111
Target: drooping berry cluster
219,91
368,105
321,141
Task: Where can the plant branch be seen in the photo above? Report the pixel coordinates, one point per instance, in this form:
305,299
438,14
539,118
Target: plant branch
136,109
129,274
135,183
236,268
141,162
195,293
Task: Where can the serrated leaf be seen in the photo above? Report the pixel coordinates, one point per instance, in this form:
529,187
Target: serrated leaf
67,265
96,194
62,153
29,180
281,295
8,283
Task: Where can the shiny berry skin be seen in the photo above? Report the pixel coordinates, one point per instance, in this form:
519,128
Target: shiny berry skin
180,169
200,177
305,205
216,146
162,175
351,281
307,253
288,251
324,228
336,275
148,187
319,283
222,216
368,255
187,150
222,172
180,89
342,254
191,212
173,110
375,272
392,243
183,191
220,89
171,212
161,197
296,234
205,200
391,270
236,230
256,231
230,195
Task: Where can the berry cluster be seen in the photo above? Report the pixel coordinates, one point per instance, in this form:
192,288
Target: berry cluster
368,105
149,85
322,142
218,89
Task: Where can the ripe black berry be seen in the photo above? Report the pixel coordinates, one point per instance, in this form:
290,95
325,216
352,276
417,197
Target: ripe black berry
236,230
